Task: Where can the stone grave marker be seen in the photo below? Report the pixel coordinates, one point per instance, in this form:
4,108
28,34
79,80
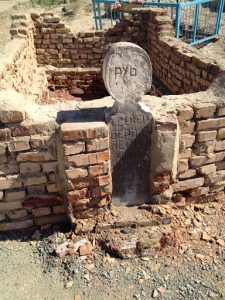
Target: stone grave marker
127,73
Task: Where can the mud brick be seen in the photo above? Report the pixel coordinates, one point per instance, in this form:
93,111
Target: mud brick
185,114
34,179
16,214
52,177
96,170
10,181
19,144
53,219
104,180
197,161
187,174
204,147
6,169
35,189
188,140
1,195
219,156
29,167
97,144
204,136
213,178
4,206
70,149
210,124
16,225
204,110
199,191
183,165
187,127
83,131
35,156
217,187
13,195
59,209
41,211
220,145
188,184
12,116
49,166
42,201
208,169
74,196
38,141
186,153
76,173
221,134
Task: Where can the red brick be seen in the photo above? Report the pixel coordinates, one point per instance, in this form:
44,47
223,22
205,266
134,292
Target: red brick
16,225
19,144
96,170
84,182
97,144
74,196
29,167
53,219
41,211
59,209
104,180
76,173
34,156
35,189
83,131
75,148
42,201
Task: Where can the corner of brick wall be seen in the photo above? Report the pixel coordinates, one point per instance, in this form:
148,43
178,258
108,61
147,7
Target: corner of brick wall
30,190
85,168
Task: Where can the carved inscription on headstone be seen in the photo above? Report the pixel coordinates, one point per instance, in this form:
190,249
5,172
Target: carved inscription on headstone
130,131
127,72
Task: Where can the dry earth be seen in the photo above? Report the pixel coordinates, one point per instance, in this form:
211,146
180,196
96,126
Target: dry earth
190,264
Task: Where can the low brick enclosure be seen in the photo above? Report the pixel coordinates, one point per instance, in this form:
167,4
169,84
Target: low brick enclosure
55,158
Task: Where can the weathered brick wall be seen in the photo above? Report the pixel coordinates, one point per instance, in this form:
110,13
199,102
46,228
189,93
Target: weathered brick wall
178,67
86,83
56,45
29,185
201,165
85,168
18,64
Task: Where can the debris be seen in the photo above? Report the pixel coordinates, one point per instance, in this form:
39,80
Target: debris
206,236
85,249
155,266
221,242
77,297
200,256
87,277
161,289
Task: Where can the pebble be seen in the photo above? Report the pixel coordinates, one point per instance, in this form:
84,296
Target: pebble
69,284
155,293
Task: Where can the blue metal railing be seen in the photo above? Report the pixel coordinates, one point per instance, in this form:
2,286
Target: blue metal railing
195,21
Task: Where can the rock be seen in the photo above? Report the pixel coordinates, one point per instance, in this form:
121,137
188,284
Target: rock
221,242
87,277
200,256
85,249
69,284
206,236
161,289
155,294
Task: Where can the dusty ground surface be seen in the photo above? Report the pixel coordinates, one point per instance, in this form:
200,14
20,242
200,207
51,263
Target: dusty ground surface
190,264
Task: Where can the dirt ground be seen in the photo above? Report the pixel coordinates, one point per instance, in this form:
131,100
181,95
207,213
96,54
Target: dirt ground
190,264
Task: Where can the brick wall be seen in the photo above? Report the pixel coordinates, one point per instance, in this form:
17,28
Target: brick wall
85,168
201,165
18,64
178,67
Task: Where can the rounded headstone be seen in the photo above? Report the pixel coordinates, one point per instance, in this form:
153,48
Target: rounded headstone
127,72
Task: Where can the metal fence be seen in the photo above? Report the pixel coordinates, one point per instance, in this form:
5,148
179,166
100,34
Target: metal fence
195,21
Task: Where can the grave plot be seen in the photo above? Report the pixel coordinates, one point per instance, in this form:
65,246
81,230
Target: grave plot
68,160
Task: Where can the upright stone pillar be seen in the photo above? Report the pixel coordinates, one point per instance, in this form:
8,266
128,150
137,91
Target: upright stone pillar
127,73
